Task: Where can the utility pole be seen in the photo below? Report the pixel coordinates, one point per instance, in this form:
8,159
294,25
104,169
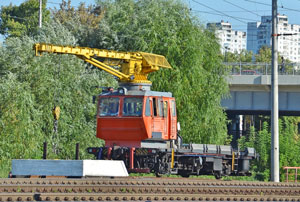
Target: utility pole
274,111
40,14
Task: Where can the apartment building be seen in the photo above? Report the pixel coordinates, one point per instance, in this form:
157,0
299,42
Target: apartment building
259,34
230,40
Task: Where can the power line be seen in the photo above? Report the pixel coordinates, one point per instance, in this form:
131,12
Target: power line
239,11
224,15
218,11
290,9
53,2
241,8
258,2
283,7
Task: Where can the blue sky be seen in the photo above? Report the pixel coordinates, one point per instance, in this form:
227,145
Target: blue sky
237,12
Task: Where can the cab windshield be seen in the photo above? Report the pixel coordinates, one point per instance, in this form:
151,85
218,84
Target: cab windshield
109,106
132,106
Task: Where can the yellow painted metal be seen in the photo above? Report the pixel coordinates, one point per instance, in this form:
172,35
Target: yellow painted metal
132,67
172,158
56,112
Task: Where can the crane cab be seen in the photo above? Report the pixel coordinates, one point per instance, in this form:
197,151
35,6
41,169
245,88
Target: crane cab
125,118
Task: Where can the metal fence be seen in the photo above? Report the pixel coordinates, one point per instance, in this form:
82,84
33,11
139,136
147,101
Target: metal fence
261,68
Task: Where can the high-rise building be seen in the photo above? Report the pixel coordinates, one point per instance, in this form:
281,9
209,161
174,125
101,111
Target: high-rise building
230,40
259,34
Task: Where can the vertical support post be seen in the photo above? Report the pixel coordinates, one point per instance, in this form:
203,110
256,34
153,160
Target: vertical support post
274,111
232,161
77,151
40,14
131,158
287,175
172,158
109,149
296,174
45,151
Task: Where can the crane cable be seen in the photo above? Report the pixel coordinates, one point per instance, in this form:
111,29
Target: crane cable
56,108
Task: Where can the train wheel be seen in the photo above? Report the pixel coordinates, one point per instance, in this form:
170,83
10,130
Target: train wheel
218,175
157,174
184,174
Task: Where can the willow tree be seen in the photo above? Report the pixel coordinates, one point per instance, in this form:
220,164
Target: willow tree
30,86
22,20
167,27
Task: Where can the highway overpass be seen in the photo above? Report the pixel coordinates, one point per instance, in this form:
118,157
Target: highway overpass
250,90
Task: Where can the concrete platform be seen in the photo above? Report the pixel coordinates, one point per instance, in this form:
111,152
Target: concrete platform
68,168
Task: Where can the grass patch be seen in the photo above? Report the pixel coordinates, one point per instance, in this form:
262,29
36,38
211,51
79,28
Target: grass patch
225,178
5,167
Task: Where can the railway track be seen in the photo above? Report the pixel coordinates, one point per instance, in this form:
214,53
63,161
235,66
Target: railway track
144,189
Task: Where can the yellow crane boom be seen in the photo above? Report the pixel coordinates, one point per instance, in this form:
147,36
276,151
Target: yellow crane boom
134,66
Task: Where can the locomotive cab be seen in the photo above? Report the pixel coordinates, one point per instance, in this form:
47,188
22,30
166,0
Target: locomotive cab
125,118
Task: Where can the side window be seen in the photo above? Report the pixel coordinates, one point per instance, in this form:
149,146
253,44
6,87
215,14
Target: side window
160,107
154,107
165,108
173,108
147,110
109,106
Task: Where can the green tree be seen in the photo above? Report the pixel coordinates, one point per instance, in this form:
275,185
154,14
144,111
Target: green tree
243,56
288,144
82,22
288,147
30,85
167,27
22,20
264,55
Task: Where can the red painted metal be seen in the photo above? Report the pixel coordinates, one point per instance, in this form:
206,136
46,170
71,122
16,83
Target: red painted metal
131,158
129,131
109,149
139,170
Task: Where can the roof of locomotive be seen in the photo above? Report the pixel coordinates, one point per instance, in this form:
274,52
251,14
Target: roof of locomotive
124,91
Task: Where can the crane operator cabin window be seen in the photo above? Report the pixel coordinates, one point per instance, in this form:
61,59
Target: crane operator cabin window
132,106
109,106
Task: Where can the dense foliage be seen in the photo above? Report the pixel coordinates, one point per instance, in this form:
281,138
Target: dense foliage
22,20
30,86
243,56
167,28
289,146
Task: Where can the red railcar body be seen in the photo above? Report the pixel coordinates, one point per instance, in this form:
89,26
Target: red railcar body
126,120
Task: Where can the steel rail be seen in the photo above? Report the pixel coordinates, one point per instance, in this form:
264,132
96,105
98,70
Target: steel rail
140,181
137,197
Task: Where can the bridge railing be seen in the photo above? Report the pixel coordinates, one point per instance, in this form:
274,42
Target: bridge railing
261,68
